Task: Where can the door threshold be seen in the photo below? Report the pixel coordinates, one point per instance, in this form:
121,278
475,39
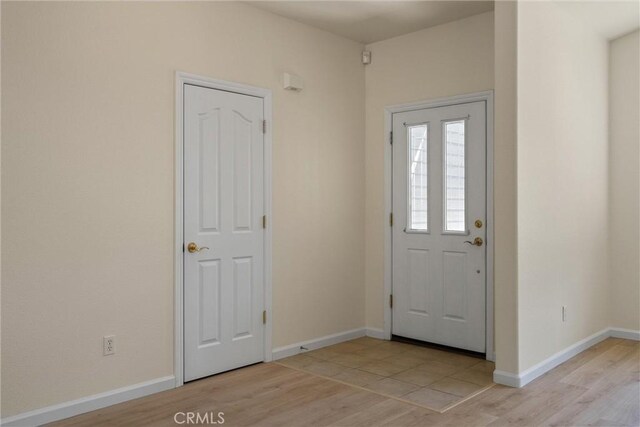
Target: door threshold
434,346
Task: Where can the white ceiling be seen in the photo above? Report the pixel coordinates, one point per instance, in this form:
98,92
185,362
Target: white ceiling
609,18
371,21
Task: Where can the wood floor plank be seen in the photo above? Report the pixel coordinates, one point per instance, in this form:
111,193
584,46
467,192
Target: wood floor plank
386,412
614,396
541,405
591,371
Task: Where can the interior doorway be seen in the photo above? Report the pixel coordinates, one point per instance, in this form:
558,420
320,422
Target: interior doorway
223,241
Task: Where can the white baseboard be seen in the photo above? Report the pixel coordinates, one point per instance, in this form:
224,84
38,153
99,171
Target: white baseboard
562,356
89,403
525,377
375,333
314,344
506,378
628,334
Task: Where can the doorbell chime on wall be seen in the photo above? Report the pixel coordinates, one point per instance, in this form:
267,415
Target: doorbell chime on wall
292,82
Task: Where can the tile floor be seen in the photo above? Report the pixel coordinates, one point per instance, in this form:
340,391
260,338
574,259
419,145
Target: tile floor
431,378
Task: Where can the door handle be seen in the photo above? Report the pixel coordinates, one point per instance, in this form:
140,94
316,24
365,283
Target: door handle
193,248
476,242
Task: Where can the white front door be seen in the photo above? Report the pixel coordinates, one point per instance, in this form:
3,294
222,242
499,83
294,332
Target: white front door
223,231
438,235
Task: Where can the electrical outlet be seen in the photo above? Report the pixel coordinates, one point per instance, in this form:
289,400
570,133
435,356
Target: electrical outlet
108,345
564,313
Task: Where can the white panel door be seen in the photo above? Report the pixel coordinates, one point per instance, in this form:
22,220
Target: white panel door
223,209
438,235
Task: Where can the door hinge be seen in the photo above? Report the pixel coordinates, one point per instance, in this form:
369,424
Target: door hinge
264,221
391,301
391,219
391,138
264,317
264,126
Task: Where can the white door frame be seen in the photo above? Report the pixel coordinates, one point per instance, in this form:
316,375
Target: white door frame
487,97
265,94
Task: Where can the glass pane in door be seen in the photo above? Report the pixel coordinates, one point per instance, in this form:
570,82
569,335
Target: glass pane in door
418,178
454,172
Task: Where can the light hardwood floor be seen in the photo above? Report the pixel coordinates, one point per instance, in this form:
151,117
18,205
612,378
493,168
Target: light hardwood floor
600,386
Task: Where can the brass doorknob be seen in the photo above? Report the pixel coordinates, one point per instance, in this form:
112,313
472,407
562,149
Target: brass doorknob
192,248
476,242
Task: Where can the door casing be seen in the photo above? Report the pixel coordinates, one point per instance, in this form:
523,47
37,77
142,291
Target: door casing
192,79
487,97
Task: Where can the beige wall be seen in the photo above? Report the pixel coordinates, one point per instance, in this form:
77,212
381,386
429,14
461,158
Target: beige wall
87,183
450,59
624,187
505,189
562,174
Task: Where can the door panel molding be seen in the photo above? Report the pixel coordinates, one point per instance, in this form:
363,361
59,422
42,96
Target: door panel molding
182,79
487,97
